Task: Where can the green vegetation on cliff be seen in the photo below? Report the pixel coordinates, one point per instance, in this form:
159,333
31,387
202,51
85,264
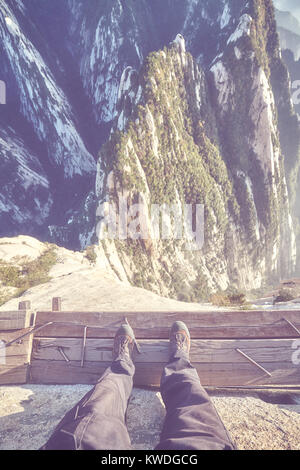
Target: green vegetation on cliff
26,274
168,139
177,148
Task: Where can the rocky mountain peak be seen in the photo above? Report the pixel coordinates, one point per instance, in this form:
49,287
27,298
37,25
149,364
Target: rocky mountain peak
206,119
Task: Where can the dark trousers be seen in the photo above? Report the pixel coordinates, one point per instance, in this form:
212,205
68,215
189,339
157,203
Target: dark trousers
97,422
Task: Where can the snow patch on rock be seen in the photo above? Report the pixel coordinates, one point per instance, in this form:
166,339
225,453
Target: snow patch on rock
225,18
44,104
223,83
262,114
244,28
25,195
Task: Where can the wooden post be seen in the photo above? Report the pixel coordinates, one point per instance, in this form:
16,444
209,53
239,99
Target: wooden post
25,305
56,304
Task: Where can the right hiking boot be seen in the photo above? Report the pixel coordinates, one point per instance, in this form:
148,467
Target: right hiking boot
180,339
124,343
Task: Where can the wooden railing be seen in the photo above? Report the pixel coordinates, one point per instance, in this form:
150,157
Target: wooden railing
229,348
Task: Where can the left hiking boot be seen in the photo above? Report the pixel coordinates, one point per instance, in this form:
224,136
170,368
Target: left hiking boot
180,339
124,343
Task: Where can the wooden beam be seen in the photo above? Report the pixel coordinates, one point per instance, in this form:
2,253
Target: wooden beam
151,325
25,305
218,362
16,320
22,347
147,374
15,358
13,374
56,304
157,351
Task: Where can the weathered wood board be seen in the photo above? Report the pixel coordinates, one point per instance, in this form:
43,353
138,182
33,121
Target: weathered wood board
204,351
217,361
15,359
153,325
16,320
14,375
149,374
229,348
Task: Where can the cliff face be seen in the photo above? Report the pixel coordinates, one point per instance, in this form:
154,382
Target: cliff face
215,128
183,136
289,32
25,197
42,148
288,25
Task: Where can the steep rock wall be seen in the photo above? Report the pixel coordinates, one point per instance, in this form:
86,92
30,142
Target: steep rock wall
171,144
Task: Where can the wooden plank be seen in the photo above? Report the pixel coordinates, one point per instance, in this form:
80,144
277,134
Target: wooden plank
16,320
56,304
20,348
156,351
15,359
13,374
25,305
148,325
61,372
149,374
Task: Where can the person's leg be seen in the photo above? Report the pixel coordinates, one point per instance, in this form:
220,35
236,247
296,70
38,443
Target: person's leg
97,422
192,421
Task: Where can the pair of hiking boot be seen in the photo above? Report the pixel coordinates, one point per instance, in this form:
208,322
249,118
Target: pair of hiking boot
125,342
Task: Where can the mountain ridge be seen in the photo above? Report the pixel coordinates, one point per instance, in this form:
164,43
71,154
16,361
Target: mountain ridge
231,41
126,155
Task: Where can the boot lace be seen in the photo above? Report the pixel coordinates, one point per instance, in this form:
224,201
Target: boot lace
123,345
180,341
